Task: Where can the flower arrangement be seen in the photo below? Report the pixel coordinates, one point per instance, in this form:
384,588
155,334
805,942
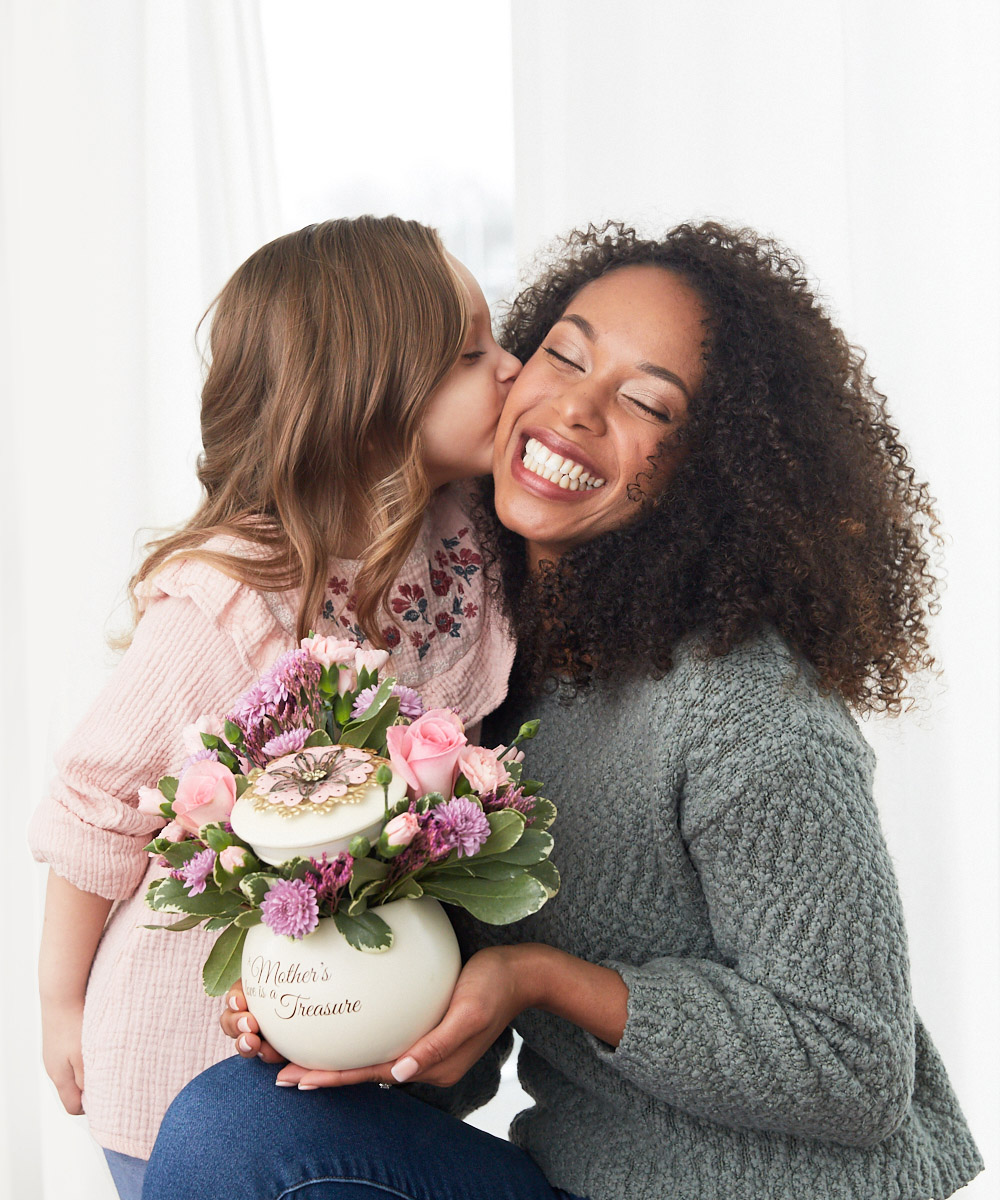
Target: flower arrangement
318,733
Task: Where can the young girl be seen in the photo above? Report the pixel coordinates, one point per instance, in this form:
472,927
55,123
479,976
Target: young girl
353,377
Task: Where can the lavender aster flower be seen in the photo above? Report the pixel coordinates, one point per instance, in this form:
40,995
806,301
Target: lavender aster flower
410,704
290,908
196,871
201,756
463,823
285,743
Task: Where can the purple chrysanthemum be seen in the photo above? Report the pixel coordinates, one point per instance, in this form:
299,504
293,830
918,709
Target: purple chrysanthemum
286,698
196,871
290,908
331,876
289,742
410,704
461,825
201,756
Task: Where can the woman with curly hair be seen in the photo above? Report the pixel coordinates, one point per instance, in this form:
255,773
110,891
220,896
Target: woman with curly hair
712,549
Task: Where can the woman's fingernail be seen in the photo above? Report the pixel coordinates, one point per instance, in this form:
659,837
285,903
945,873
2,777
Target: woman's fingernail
234,1004
405,1069
285,1083
243,1025
243,1044
307,1087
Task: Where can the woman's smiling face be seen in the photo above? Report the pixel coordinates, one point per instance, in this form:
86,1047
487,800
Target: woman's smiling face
610,383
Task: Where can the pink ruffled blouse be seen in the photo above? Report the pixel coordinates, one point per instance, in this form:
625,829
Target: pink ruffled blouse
204,638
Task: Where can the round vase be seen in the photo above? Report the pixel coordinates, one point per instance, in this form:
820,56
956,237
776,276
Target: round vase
324,1005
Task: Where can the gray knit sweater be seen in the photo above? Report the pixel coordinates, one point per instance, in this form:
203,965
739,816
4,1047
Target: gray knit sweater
720,849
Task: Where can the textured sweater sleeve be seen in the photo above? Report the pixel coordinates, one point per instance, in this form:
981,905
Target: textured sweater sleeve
802,1021
195,649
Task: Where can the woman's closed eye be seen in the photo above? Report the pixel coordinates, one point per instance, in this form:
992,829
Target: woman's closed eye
562,358
660,414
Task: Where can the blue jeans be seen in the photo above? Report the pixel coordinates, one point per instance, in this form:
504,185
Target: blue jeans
232,1133
127,1172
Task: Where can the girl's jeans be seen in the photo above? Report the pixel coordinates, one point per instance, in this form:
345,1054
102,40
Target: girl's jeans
232,1133
127,1172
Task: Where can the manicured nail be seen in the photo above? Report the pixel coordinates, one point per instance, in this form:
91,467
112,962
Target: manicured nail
284,1083
234,1004
244,1045
405,1069
243,1025
307,1087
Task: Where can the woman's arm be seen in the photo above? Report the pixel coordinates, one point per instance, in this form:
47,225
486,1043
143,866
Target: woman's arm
71,929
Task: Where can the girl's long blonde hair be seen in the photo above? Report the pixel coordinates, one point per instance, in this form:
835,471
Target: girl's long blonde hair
325,346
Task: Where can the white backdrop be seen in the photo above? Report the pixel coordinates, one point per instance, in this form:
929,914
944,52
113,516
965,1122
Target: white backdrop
136,170
865,136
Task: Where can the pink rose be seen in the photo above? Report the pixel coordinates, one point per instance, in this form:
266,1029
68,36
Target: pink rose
191,734
150,800
233,859
370,660
401,830
329,650
482,769
206,794
426,752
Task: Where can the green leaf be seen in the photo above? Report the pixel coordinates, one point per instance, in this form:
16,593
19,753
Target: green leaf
210,741
220,922
543,814
176,853
216,837
359,902
490,868
224,965
342,713
242,783
189,922
533,846
407,888
296,868
507,828
172,896
365,871
365,932
248,918
168,787
463,787
318,737
234,735
255,887
547,875
497,902
229,760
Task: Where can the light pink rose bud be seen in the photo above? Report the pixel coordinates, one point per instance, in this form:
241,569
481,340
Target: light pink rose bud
426,752
370,660
150,800
329,650
173,832
205,795
233,859
191,735
401,830
482,769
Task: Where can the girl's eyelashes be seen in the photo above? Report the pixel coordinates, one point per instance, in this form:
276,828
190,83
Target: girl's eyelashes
472,355
561,358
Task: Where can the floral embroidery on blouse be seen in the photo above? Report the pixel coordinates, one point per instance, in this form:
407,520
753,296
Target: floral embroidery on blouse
443,612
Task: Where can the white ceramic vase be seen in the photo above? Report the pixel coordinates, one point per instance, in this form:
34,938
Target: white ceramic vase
325,1005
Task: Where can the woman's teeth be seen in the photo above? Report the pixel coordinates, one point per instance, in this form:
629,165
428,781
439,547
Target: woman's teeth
564,471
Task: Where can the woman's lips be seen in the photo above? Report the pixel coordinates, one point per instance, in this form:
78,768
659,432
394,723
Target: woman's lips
550,489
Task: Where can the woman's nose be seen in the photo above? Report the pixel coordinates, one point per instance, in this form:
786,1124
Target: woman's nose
580,406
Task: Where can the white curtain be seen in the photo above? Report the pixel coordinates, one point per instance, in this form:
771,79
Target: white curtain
136,172
865,136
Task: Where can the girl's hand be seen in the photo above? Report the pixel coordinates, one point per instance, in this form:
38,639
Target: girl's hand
62,1024
237,1022
495,986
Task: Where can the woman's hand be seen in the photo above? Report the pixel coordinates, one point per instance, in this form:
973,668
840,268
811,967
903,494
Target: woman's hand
62,1023
495,986
237,1022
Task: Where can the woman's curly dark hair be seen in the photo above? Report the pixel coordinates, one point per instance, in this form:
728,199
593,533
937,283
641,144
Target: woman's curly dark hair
794,503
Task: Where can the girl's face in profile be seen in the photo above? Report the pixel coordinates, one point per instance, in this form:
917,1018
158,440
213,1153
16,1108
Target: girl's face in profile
594,408
461,418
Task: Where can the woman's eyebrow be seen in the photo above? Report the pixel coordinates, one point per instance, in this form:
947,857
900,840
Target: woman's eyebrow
666,375
581,323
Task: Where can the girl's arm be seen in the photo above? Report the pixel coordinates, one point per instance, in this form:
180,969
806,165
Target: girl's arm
72,927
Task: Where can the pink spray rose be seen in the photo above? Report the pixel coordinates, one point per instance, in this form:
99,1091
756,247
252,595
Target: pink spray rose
481,768
150,800
426,752
233,859
370,660
401,830
173,832
192,733
206,794
329,650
